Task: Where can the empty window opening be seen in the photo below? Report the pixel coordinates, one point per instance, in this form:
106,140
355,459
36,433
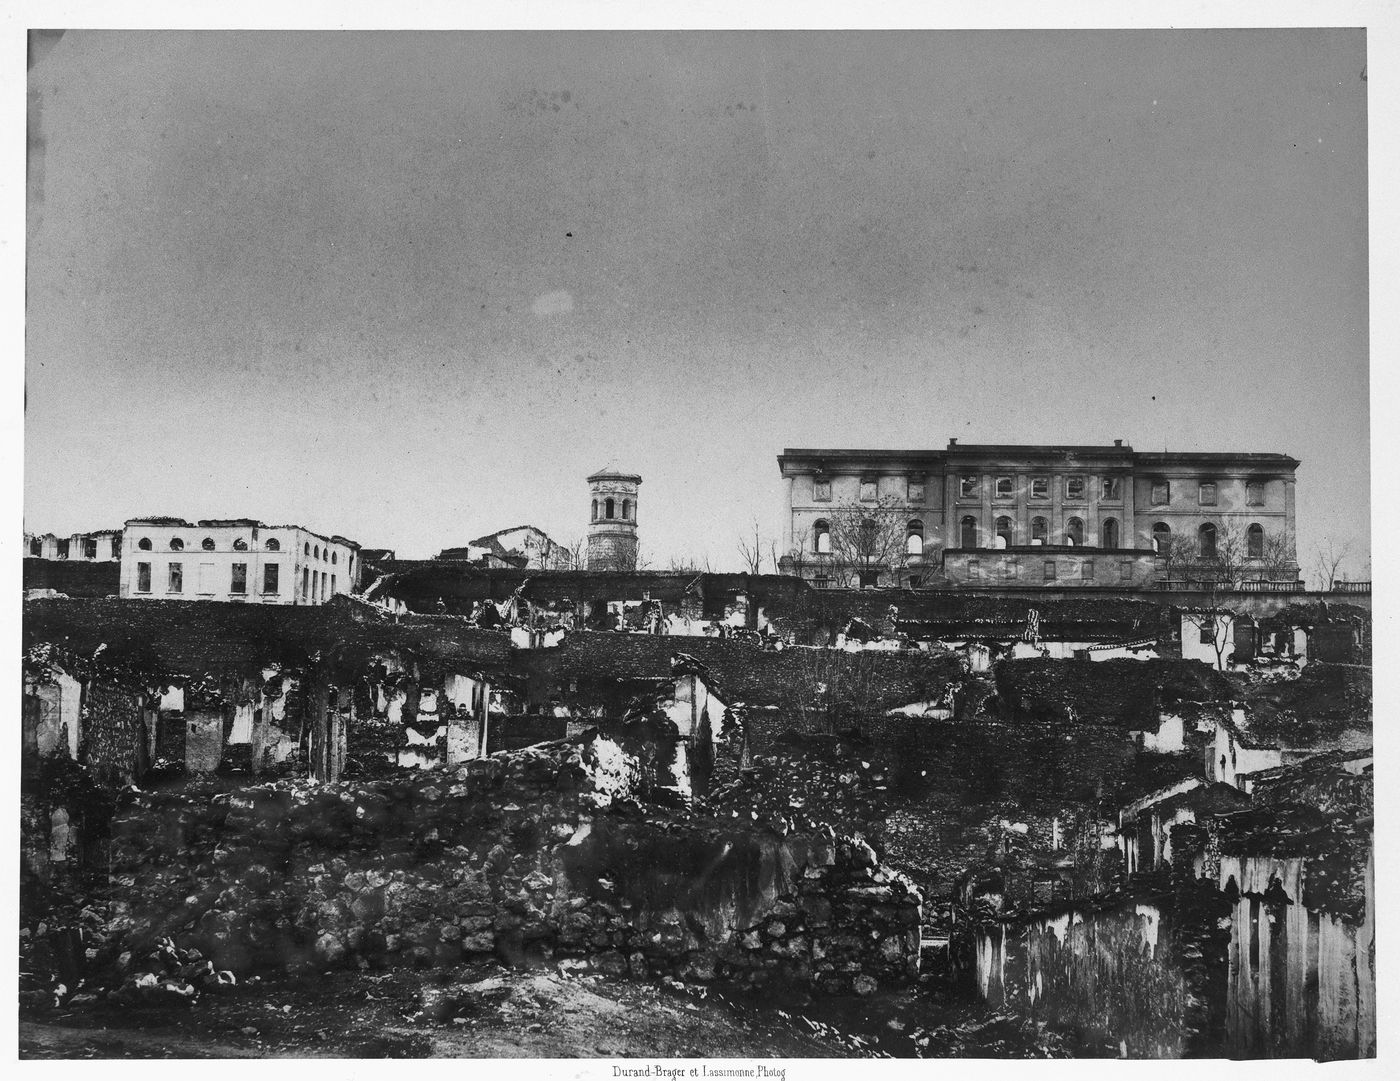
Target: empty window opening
36,547
609,508
335,556
1255,540
914,542
1004,533
1206,534
305,584
969,531
316,552
1040,530
143,578
1208,631
90,548
116,547
626,509
238,582
144,544
1005,489
176,582
595,510
1112,488
1040,487
821,538
273,545
1110,533
967,488
1161,538
1074,532
63,549
176,544
270,574
1074,487
207,544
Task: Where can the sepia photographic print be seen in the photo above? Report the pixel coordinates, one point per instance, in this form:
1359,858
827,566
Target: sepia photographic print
697,549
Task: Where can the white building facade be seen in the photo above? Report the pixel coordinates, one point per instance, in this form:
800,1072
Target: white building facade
235,560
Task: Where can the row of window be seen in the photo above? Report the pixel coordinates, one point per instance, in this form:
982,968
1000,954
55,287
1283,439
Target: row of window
1075,487
36,547
1208,540
313,583
609,508
177,544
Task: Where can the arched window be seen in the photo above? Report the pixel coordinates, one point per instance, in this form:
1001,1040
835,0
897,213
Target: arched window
36,547
306,548
821,537
335,558
1206,537
1004,533
626,509
144,544
1074,532
207,544
1254,536
1109,538
240,545
176,544
273,545
914,541
1161,537
609,508
969,531
1040,530
595,510
316,551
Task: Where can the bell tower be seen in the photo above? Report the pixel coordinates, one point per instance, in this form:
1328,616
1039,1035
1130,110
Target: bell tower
612,520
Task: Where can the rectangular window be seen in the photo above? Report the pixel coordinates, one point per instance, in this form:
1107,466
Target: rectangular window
1005,489
143,578
1049,570
239,581
1207,493
868,492
305,584
63,549
332,585
1112,488
270,573
821,489
177,578
916,491
1208,631
90,548
1040,487
116,548
1161,493
1086,570
967,488
1125,572
1254,493
1074,487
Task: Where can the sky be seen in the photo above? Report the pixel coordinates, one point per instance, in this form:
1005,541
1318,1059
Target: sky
414,287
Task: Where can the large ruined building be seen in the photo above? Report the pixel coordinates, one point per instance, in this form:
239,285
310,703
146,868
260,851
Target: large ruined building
1050,516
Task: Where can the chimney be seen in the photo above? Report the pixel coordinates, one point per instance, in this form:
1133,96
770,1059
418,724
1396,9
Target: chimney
952,442
1118,442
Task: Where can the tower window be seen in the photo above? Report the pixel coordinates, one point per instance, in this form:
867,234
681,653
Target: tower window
626,510
595,510
609,508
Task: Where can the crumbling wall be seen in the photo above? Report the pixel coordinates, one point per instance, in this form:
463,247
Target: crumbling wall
537,853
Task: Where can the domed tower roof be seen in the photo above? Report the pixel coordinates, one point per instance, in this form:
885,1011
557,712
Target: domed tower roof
611,472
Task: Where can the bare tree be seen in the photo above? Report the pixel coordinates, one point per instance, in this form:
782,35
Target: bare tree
567,556
1279,560
689,565
869,539
1327,558
751,547
1214,624
799,556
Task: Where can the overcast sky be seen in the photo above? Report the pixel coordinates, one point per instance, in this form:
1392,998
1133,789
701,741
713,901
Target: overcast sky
413,288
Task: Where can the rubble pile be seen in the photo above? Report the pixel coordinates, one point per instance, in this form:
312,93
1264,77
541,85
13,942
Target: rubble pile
543,853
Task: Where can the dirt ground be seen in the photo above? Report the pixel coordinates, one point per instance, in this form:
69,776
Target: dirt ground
542,1013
